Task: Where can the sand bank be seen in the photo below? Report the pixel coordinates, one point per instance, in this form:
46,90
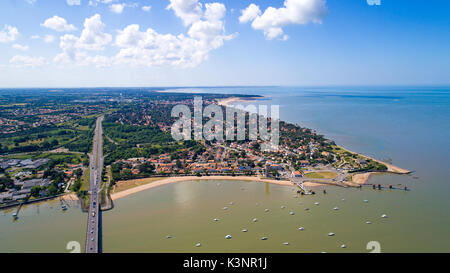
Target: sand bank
228,101
177,179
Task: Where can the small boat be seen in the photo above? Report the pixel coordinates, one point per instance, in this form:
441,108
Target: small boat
255,219
264,238
301,228
384,216
286,243
244,230
283,207
306,208
64,207
368,222
231,203
169,236
225,208
291,213
343,246
316,203
216,219
198,245
331,234
228,236
366,201
266,210
336,208
14,215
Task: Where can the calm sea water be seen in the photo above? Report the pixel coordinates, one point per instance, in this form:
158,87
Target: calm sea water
407,126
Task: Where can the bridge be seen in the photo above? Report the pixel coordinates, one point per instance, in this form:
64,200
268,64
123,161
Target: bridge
93,231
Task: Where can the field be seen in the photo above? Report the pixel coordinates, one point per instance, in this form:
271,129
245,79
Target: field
327,175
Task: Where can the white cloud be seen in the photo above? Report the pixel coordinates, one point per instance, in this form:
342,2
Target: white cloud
59,24
250,13
20,47
146,8
95,2
149,48
73,2
188,10
117,8
272,21
34,37
27,61
31,1
9,34
93,38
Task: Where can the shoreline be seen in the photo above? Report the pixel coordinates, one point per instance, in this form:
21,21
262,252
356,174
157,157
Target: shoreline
391,168
227,101
177,179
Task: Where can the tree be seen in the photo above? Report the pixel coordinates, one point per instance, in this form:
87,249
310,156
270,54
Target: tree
52,190
6,183
35,191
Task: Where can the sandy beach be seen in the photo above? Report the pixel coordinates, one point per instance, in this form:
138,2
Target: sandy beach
177,179
228,101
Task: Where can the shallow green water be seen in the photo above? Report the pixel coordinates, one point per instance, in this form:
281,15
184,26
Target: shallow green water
185,211
42,227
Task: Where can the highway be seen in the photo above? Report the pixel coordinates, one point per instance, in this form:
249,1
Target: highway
95,167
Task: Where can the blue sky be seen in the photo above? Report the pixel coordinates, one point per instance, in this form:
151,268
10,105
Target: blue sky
49,43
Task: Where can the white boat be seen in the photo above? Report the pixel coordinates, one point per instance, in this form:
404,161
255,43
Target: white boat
331,234
264,238
301,228
286,243
244,230
384,216
198,245
316,203
228,236
255,219
215,219
343,246
336,208
291,213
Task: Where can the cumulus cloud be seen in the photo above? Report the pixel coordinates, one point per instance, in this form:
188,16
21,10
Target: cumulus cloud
92,38
250,13
148,48
272,21
189,11
117,8
73,2
146,8
20,47
27,61
58,24
9,34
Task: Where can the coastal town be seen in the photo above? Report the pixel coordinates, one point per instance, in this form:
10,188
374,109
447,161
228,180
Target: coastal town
49,157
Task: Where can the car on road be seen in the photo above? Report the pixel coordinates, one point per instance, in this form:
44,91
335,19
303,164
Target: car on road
92,238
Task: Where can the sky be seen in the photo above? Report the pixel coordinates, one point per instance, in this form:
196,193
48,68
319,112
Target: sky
126,43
